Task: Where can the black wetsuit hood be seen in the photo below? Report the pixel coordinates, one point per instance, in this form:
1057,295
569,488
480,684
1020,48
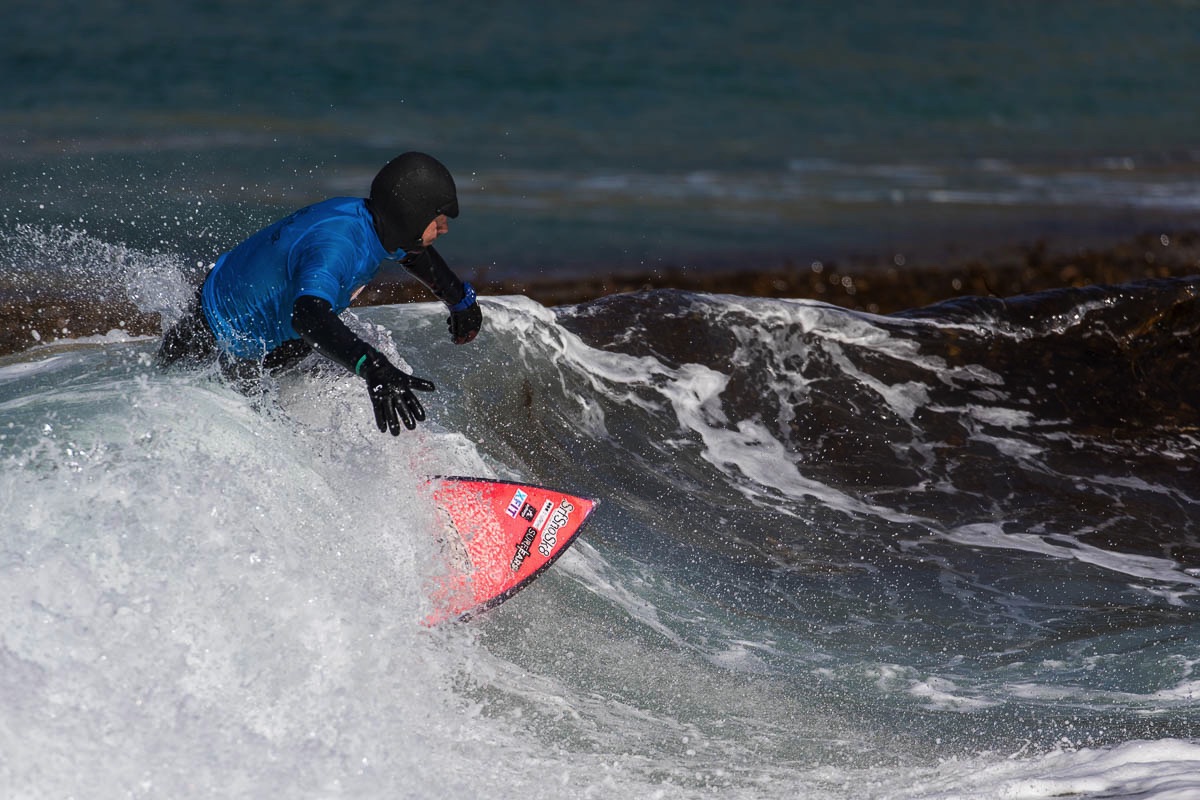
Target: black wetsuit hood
407,194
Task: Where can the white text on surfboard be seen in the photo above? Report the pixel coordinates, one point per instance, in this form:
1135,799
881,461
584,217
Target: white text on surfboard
523,549
560,518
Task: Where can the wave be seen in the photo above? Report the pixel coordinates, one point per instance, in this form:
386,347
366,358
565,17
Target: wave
947,551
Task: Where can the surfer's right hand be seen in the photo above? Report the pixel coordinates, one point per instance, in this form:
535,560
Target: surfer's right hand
391,394
465,317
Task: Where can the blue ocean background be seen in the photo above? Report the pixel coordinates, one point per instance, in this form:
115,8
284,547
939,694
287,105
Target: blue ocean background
951,552
612,135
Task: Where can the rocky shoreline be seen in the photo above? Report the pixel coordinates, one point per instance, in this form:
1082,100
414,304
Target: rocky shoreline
879,286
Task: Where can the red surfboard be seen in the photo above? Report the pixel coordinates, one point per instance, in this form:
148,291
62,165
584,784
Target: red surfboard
498,537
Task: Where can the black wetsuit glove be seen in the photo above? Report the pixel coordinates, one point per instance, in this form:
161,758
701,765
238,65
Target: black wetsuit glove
390,389
465,317
391,393
431,269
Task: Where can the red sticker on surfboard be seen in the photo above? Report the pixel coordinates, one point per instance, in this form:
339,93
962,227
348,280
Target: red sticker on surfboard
499,536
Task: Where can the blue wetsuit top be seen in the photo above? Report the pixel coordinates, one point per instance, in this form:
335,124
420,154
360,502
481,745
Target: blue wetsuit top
327,250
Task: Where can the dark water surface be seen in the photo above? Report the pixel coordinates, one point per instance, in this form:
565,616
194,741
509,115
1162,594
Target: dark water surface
610,135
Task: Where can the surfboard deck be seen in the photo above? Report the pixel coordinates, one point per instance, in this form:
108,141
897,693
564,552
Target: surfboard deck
498,537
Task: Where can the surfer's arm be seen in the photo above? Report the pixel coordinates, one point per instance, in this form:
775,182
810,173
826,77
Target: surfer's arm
390,389
431,269
324,331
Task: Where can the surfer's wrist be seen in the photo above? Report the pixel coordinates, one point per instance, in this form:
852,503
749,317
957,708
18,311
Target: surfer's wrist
468,299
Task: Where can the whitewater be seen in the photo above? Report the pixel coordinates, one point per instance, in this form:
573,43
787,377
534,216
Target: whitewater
951,553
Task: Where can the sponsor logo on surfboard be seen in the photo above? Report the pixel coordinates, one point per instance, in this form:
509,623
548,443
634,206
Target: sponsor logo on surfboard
514,505
544,514
561,516
528,512
523,548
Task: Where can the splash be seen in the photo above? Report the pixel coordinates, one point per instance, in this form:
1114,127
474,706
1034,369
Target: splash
64,283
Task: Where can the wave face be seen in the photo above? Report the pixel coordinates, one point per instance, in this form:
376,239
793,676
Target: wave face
947,553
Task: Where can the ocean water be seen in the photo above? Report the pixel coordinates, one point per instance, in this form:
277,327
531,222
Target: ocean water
615,135
949,553
945,554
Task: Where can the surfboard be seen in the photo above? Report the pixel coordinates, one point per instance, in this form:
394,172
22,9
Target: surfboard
498,537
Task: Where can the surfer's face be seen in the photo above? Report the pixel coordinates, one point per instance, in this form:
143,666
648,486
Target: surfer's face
439,226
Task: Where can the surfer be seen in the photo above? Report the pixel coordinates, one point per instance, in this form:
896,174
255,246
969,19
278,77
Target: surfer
275,298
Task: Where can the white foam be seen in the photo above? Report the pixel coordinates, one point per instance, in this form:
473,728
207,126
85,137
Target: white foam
932,691
992,535
21,370
202,599
1166,769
